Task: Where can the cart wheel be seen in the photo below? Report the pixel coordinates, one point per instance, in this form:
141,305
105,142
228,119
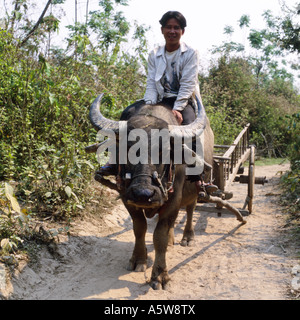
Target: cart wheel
251,178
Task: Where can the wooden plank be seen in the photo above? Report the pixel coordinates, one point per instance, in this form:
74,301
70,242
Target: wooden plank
207,208
221,146
236,141
238,138
228,153
222,181
232,175
221,158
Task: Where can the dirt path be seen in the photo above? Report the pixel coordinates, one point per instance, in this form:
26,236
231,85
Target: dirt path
228,261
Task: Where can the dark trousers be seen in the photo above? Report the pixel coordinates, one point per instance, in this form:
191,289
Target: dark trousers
188,113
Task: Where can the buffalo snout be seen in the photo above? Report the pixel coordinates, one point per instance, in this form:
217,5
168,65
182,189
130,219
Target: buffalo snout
143,194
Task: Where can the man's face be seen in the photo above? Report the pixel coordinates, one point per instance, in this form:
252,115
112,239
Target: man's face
172,33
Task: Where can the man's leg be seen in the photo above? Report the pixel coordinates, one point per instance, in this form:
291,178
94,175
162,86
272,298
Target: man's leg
189,116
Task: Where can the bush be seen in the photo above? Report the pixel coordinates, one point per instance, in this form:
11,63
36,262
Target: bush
291,180
234,96
44,106
13,221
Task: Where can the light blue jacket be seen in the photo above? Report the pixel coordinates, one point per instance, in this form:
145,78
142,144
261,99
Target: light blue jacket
187,73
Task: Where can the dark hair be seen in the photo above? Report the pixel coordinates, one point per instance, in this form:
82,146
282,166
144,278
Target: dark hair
173,14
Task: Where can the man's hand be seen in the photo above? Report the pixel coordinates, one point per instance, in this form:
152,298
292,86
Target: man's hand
178,116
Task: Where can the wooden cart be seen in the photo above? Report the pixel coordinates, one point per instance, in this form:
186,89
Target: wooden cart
228,167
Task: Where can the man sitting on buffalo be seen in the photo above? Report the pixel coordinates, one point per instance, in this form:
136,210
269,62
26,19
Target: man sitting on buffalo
172,79
173,71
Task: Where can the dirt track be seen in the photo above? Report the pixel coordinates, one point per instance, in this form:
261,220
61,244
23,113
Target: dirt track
228,261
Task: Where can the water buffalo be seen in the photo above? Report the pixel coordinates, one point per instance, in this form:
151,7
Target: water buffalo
147,188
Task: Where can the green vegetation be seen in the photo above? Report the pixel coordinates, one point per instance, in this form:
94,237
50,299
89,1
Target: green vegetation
291,180
258,88
46,92
270,161
45,95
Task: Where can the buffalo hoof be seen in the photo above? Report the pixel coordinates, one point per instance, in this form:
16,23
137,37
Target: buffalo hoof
188,239
187,242
161,281
137,267
155,285
141,267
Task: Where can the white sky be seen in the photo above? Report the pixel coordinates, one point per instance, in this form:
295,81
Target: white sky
206,19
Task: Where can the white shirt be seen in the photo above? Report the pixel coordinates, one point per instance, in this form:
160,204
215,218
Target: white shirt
187,68
169,80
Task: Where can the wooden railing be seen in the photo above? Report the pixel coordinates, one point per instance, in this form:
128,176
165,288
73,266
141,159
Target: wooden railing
228,164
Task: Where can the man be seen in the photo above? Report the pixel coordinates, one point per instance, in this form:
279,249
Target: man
173,71
172,80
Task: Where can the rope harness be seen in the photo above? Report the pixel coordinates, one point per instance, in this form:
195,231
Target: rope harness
168,173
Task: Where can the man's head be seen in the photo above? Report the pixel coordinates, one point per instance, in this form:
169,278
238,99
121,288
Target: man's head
175,15
173,27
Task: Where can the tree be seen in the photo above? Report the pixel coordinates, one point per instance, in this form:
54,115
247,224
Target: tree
26,32
270,46
31,32
280,37
289,28
40,92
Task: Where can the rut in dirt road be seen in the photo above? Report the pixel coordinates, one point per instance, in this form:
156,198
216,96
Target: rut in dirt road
228,260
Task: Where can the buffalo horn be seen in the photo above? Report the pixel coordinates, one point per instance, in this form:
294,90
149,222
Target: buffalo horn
99,121
193,129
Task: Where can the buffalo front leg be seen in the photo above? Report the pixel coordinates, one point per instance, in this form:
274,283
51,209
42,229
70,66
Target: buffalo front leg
160,276
138,261
188,233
